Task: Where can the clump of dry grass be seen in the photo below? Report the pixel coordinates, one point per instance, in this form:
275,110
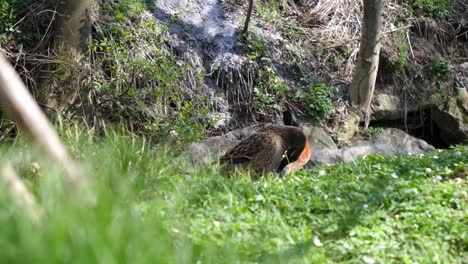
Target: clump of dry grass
27,42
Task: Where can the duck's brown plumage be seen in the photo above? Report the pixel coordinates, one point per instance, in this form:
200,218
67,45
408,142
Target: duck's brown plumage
265,150
274,148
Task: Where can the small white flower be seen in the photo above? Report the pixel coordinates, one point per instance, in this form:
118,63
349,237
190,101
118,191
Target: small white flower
368,260
438,177
35,167
428,170
317,242
338,199
365,206
415,190
435,157
173,134
321,172
216,223
394,175
325,196
421,155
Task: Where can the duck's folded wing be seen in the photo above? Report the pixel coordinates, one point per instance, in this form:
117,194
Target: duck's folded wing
264,151
272,151
244,150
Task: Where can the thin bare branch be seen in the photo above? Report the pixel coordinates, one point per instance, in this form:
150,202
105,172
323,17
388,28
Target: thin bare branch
24,110
21,196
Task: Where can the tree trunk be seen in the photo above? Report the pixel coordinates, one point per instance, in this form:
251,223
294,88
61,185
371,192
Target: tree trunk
363,84
60,85
247,19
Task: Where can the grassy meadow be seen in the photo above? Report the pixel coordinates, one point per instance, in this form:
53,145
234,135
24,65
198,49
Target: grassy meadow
141,203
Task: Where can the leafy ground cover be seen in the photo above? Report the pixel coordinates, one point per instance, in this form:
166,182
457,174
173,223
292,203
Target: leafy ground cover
146,204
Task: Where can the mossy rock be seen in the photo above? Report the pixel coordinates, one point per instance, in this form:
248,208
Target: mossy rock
450,113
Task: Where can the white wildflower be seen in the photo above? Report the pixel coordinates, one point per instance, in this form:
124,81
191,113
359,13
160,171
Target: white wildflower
415,190
428,170
435,157
338,199
438,177
35,167
365,206
216,223
325,196
317,242
458,180
321,172
368,260
394,175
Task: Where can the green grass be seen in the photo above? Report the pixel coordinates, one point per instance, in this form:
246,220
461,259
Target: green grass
145,204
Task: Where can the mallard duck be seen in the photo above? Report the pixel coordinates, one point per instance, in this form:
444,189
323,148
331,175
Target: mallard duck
274,148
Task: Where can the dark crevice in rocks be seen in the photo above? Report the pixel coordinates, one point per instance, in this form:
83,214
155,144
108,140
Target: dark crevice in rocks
421,125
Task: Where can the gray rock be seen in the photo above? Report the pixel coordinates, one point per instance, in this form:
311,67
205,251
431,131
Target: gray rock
387,106
391,142
325,156
450,113
464,67
319,139
209,150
